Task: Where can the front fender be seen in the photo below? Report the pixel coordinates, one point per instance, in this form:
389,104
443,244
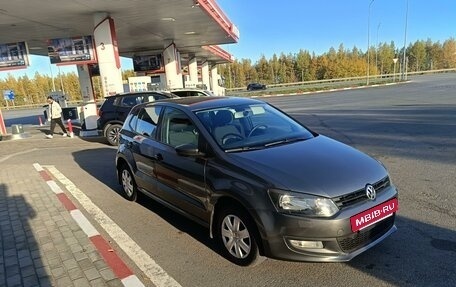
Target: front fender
125,156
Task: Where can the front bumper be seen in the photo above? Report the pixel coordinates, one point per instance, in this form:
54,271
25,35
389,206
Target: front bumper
338,242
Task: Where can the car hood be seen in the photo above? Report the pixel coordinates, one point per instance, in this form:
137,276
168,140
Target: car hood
320,166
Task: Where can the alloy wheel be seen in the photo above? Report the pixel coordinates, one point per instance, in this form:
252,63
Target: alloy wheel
127,183
236,237
113,134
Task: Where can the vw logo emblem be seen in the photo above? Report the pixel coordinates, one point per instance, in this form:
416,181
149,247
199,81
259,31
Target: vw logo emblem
370,192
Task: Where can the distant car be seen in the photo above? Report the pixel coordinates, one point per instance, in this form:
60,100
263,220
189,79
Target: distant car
192,93
261,182
255,86
114,110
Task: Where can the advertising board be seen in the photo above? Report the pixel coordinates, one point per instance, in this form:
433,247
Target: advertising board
14,56
76,50
148,63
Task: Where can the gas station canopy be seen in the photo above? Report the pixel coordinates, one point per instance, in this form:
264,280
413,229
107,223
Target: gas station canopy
142,26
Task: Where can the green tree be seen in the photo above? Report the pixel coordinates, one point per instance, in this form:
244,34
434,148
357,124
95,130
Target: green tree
386,55
264,70
303,66
417,56
434,53
449,53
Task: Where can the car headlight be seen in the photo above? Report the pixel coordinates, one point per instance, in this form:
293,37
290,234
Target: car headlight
302,204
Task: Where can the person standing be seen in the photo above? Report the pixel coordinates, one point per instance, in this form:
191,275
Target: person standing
55,117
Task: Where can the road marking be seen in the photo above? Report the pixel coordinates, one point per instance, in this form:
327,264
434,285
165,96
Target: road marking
151,269
17,153
111,258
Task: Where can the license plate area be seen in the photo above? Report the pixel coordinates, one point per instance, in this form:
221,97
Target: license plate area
373,215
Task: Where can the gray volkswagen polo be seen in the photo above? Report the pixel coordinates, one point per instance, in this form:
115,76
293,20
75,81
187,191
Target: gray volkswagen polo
261,182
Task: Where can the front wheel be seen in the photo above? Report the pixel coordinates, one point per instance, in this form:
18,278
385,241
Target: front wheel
236,235
113,134
128,183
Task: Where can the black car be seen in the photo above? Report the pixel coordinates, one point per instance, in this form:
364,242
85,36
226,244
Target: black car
255,86
114,110
262,183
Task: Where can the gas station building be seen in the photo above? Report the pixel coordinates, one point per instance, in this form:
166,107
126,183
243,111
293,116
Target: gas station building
173,43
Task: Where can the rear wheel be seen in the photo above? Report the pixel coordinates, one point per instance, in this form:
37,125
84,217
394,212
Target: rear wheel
237,237
113,133
128,183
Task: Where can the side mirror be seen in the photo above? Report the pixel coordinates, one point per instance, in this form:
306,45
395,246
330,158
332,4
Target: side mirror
188,150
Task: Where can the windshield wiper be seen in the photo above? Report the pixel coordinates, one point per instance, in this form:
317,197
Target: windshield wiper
284,141
245,148
262,146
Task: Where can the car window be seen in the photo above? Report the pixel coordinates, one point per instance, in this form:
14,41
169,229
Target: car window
147,121
182,93
199,94
130,101
154,97
177,128
130,122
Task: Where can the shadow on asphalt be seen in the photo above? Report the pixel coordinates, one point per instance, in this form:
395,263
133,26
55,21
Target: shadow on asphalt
418,254
20,255
105,172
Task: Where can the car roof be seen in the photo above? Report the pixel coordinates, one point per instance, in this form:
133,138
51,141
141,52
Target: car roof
203,103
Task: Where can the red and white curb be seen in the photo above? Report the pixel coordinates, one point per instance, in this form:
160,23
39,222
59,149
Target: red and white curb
157,275
120,269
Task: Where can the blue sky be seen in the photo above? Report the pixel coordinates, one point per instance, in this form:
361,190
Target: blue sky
268,27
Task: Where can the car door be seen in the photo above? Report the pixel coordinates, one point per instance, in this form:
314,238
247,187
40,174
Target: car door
142,146
181,179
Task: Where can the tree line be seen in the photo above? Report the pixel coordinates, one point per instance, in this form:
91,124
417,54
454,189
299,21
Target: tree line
340,63
300,67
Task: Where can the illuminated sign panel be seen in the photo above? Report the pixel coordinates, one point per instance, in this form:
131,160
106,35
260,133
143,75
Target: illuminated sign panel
76,50
14,56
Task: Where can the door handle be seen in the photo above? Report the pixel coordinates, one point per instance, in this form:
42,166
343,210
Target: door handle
158,157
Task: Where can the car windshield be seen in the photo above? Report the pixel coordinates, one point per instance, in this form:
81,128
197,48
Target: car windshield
250,127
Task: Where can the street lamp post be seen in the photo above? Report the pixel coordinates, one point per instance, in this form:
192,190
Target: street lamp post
376,49
404,67
52,77
61,81
368,28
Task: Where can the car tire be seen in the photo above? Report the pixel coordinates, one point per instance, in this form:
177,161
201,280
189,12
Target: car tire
237,237
113,133
130,190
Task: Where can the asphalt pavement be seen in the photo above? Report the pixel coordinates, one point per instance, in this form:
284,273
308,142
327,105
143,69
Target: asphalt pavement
409,127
